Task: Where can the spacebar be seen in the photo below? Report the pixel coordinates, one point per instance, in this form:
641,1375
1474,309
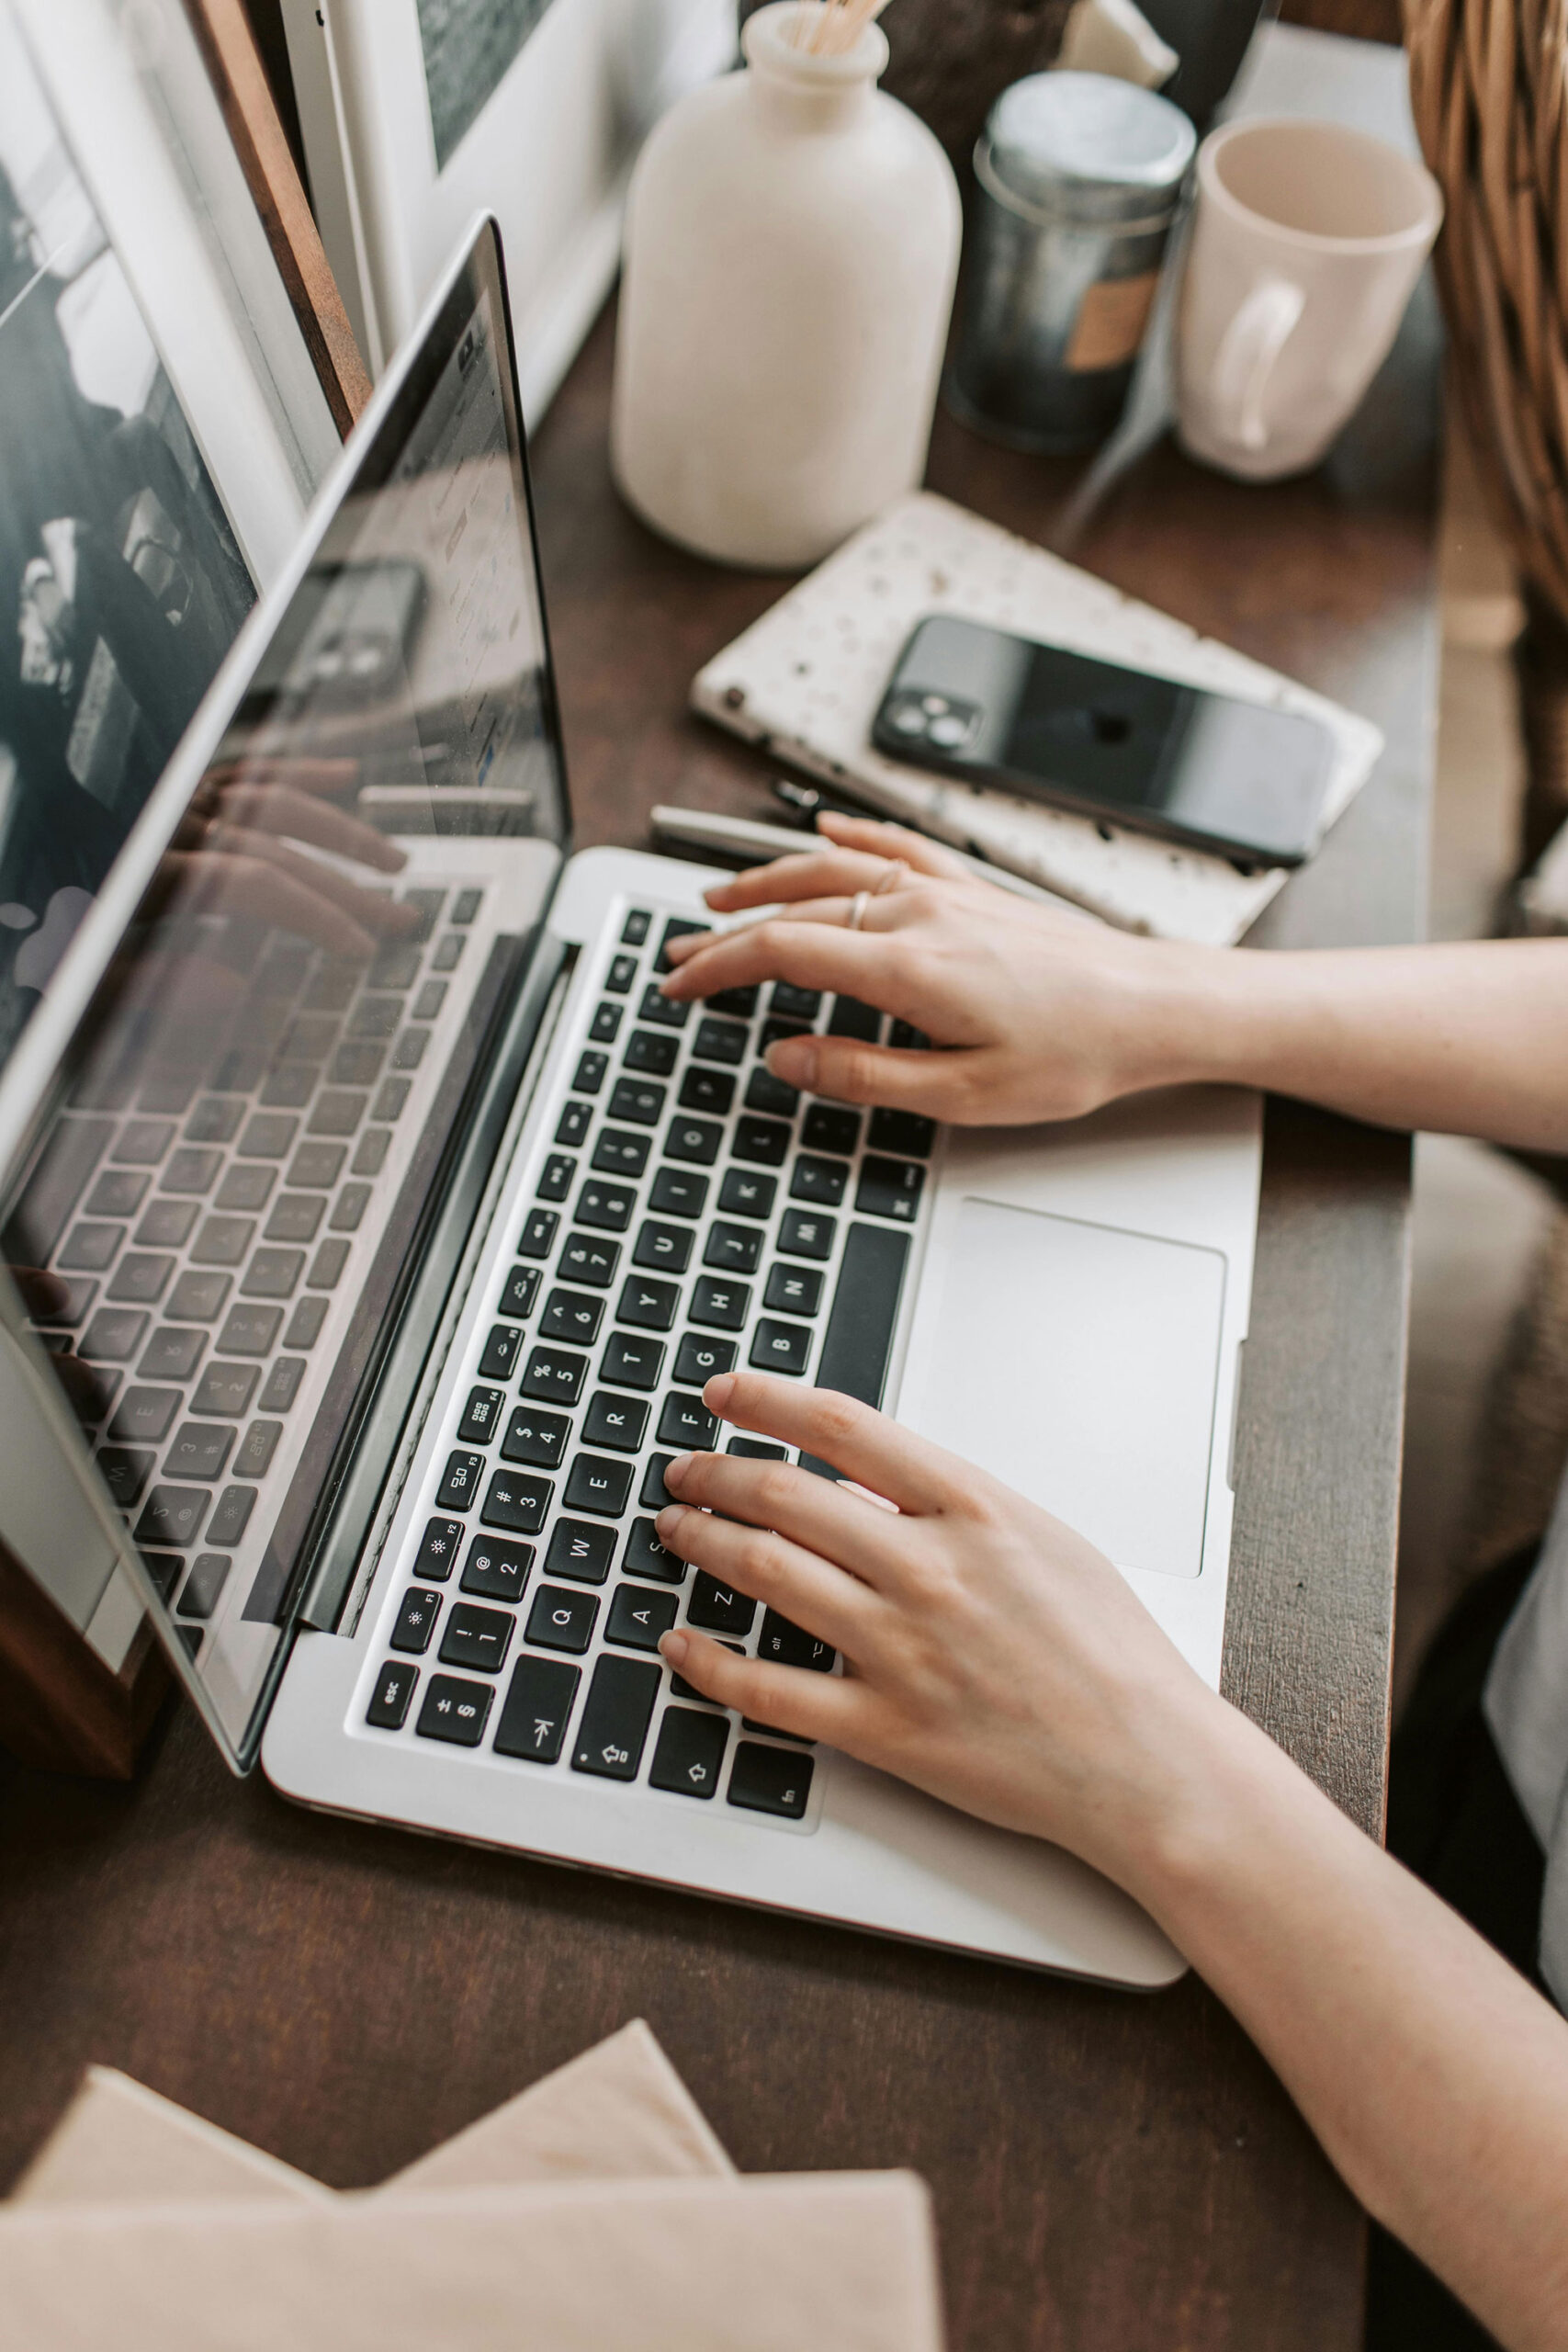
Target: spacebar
860,1329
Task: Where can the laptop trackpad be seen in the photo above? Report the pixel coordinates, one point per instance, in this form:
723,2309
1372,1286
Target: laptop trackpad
1078,1362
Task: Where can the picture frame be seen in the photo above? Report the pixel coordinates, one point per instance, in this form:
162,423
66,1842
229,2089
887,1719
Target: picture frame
417,114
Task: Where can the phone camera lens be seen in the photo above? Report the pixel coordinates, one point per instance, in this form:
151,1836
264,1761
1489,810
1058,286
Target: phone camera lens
908,718
947,733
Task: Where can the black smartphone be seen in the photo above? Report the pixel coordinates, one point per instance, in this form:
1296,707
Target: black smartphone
983,705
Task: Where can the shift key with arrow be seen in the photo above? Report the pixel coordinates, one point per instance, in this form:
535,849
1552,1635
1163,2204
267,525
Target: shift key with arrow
615,1721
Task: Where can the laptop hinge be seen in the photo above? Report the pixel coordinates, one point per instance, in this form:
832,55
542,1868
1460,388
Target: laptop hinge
373,1487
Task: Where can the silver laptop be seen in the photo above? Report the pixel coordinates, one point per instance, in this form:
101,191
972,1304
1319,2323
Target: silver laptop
362,1297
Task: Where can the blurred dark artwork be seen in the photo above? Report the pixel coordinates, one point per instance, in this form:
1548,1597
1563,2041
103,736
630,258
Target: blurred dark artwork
1211,38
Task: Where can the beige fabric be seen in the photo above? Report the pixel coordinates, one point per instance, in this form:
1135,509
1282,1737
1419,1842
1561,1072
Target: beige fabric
838,2262
120,2143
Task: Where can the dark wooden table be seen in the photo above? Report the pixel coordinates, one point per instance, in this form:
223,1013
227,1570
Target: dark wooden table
1112,2174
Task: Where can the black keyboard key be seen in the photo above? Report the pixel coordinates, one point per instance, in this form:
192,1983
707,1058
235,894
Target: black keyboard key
903,1132
417,1613
618,1422
785,1643
637,1618
742,1003
305,1323
248,1185
561,1620
743,1193
204,1585
828,1127
247,1330
634,931
124,1472
890,1188
720,1041
655,1494
598,1484
70,1307
427,1004
143,1142
327,1265
719,1609
171,1355
537,1439
795,1004
447,952
849,1018
770,1094
455,1711
118,1193
316,1167
295,1218
231,1515
620,1705
678,1193
707,1089
694,1140
733,1249
291,1087
438,1548
371,1150
781,1347
537,1710
140,1278
647,1305
466,906
771,1779
618,1153
655,1006
621,974
395,966
608,1206
651,1053
390,1699
591,1068
173,1515
757,1449
686,1423
572,1126
88,1249
723,1307
427,906
559,1175
906,1038
496,1570
273,1273
803,1234
213,1120
646,1556
480,1415
764,1141
114,1334
476,1638
676,928
516,1503
501,1351
460,1481
794,1290
269,1135
579,1551
572,1315
555,1375
662,1248
773,1029
819,1180
605,1024
518,1294
631,1362
145,1415
688,1755
589,1259
282,1385
699,1359
392,1093
200,1450
859,1338
637,1099
538,1235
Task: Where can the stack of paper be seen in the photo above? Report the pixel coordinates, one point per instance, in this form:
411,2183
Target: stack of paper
594,2212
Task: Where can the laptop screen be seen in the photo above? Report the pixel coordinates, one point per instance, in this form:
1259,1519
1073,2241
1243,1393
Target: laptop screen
269,1033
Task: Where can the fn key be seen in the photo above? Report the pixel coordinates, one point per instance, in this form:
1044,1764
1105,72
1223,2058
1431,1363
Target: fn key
615,1719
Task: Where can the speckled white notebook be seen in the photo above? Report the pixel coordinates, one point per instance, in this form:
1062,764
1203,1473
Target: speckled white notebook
807,679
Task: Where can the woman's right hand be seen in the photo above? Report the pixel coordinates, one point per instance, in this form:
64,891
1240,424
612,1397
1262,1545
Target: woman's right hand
1038,1015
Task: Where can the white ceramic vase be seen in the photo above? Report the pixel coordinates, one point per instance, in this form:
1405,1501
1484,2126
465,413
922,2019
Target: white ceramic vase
791,247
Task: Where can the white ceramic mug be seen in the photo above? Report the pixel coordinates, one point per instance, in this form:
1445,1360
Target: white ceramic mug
1306,249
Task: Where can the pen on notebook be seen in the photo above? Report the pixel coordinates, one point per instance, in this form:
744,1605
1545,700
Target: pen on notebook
743,837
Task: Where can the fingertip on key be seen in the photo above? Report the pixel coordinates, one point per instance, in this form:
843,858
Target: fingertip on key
795,1059
675,1471
673,1648
717,1391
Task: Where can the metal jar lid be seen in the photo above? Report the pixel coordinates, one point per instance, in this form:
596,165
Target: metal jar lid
1085,147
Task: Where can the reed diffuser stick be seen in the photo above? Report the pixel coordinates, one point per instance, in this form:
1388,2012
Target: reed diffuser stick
832,28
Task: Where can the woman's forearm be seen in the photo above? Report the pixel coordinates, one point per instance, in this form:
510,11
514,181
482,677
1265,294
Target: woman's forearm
1469,1039
1434,2075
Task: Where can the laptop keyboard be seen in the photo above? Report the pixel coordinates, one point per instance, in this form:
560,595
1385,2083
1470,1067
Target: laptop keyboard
689,1214
223,1225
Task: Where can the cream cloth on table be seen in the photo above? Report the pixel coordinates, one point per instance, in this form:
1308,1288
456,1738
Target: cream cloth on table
1526,1705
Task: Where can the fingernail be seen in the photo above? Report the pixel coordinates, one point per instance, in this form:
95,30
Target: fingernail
678,1469
796,1059
673,1648
667,1522
719,1391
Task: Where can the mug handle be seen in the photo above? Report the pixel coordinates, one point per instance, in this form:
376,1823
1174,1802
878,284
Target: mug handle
1245,360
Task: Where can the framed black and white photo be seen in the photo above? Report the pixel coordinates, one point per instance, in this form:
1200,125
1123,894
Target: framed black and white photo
417,114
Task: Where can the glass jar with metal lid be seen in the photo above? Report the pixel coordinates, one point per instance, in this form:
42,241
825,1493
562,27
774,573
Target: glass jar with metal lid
1078,180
